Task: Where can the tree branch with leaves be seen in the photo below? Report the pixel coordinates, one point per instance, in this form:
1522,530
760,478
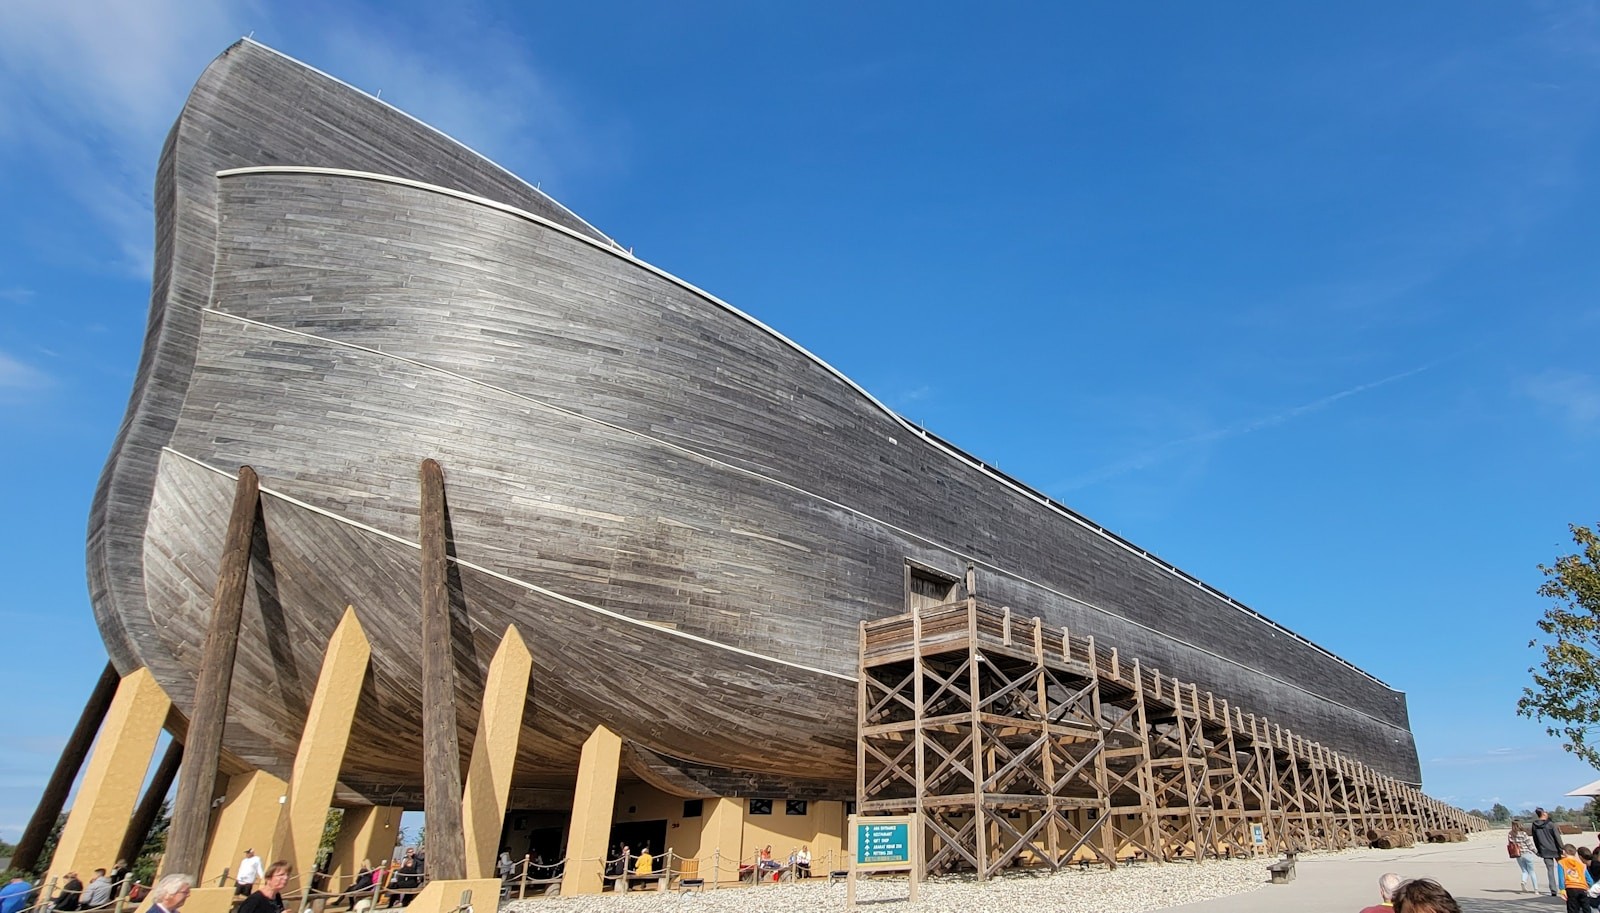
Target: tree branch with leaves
1566,683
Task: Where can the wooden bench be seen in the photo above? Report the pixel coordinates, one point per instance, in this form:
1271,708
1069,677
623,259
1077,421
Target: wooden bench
660,880
1282,871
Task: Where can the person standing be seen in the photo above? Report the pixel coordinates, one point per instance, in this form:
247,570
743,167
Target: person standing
1522,842
268,896
249,873
1547,844
504,865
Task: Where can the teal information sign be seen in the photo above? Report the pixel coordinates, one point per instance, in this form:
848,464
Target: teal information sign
883,844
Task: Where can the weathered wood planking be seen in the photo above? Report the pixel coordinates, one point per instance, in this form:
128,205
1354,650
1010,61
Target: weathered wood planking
610,435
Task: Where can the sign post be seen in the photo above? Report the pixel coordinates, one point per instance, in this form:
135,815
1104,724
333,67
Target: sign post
885,843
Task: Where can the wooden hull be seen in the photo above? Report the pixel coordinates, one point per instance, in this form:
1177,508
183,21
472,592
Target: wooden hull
687,515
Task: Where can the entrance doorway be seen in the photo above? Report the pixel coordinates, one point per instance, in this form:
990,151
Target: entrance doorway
638,835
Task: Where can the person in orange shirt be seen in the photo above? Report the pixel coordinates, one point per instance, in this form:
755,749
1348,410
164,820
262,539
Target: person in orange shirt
1576,878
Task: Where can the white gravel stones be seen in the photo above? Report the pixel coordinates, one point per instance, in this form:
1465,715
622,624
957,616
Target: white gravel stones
1129,889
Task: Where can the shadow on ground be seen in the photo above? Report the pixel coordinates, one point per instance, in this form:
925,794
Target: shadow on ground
1513,902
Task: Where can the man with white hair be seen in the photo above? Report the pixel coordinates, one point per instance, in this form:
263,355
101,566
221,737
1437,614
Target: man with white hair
1388,883
170,892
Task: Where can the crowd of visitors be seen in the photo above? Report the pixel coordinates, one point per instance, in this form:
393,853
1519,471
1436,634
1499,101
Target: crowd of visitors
1570,870
73,895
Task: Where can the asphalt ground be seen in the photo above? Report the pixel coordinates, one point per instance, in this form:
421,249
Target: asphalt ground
1478,873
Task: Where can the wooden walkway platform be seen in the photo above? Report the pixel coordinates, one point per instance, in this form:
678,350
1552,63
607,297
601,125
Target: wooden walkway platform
1022,746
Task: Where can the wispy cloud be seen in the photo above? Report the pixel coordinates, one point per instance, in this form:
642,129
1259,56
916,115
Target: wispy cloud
1571,396
915,395
92,88
16,294
16,375
1507,755
477,84
1165,451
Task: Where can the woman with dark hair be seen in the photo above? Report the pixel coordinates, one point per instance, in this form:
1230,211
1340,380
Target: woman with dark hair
1424,895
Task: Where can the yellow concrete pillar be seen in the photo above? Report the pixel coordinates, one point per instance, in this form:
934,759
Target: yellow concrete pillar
109,791
592,804
494,753
827,851
247,819
722,841
322,747
447,896
368,832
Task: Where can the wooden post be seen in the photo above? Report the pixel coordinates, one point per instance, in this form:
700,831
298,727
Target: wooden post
441,754
980,816
26,856
1041,697
919,732
191,809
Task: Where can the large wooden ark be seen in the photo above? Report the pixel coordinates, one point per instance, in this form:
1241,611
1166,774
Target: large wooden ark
686,514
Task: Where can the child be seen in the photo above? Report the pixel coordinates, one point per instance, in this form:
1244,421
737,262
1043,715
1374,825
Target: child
1577,879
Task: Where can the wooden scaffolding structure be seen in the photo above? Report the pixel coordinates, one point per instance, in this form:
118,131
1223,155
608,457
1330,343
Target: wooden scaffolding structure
1019,746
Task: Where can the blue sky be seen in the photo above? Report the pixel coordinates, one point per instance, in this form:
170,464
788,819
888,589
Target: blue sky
1300,297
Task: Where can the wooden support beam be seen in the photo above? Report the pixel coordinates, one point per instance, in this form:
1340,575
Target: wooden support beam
26,856
441,753
1014,749
974,686
191,809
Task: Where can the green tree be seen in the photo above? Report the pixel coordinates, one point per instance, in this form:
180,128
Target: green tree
1566,683
1499,813
155,845
330,834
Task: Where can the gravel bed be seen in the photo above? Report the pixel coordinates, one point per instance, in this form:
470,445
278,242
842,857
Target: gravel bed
1129,889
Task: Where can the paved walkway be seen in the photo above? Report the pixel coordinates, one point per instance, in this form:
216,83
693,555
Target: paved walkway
1477,873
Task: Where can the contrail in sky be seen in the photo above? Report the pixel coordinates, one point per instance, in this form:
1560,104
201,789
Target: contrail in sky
1161,451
